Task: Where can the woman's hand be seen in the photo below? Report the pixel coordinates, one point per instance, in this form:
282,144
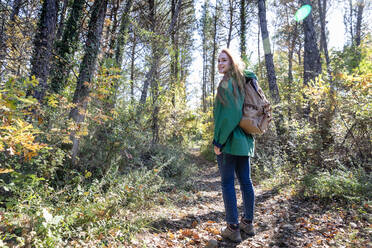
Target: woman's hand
217,150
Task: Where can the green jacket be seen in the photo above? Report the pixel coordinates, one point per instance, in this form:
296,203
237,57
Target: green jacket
227,134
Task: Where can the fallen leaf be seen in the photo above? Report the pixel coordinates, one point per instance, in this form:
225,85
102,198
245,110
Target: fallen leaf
194,224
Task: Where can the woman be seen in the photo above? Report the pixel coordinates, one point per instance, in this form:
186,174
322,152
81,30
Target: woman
232,146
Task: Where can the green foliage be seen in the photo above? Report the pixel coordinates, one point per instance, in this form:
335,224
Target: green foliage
205,126
88,208
350,185
46,201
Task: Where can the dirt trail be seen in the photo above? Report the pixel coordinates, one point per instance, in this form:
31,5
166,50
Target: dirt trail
280,220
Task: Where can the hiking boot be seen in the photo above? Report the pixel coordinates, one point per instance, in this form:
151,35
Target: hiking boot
229,233
247,227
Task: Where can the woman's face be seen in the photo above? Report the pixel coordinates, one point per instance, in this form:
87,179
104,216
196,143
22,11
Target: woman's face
224,63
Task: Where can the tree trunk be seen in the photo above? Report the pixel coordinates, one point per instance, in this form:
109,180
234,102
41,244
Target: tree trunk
3,44
268,55
204,35
312,65
358,26
231,15
67,47
269,62
61,19
132,67
204,79
243,45
174,58
351,20
112,32
292,42
123,34
214,51
43,46
322,14
154,64
119,51
87,67
155,96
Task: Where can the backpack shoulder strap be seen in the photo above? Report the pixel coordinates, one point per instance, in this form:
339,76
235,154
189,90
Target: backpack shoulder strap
253,82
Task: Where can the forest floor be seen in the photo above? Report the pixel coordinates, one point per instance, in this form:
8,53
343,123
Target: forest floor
282,218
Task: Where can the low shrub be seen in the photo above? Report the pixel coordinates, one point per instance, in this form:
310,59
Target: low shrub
349,185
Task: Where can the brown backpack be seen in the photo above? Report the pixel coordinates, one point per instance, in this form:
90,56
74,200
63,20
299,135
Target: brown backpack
256,109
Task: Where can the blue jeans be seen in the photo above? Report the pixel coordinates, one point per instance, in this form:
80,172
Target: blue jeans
228,164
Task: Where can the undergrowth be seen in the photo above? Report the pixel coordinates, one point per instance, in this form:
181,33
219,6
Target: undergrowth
89,210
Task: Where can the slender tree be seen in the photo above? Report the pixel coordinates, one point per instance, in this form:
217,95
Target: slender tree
231,24
312,65
155,60
132,60
87,67
243,30
214,52
204,25
322,14
3,44
268,55
67,46
111,32
123,34
43,46
358,26
61,19
174,56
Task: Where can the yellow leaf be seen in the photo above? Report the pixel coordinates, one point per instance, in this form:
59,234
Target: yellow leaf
3,171
88,174
171,235
194,224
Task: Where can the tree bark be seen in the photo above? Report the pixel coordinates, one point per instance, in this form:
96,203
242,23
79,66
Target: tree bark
43,46
88,67
322,14
292,42
214,51
3,45
123,34
269,62
174,58
231,15
204,35
351,20
67,47
243,45
61,19
268,55
112,32
358,26
132,67
312,65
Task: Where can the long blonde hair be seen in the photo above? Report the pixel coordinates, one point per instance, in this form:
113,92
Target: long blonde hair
236,72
